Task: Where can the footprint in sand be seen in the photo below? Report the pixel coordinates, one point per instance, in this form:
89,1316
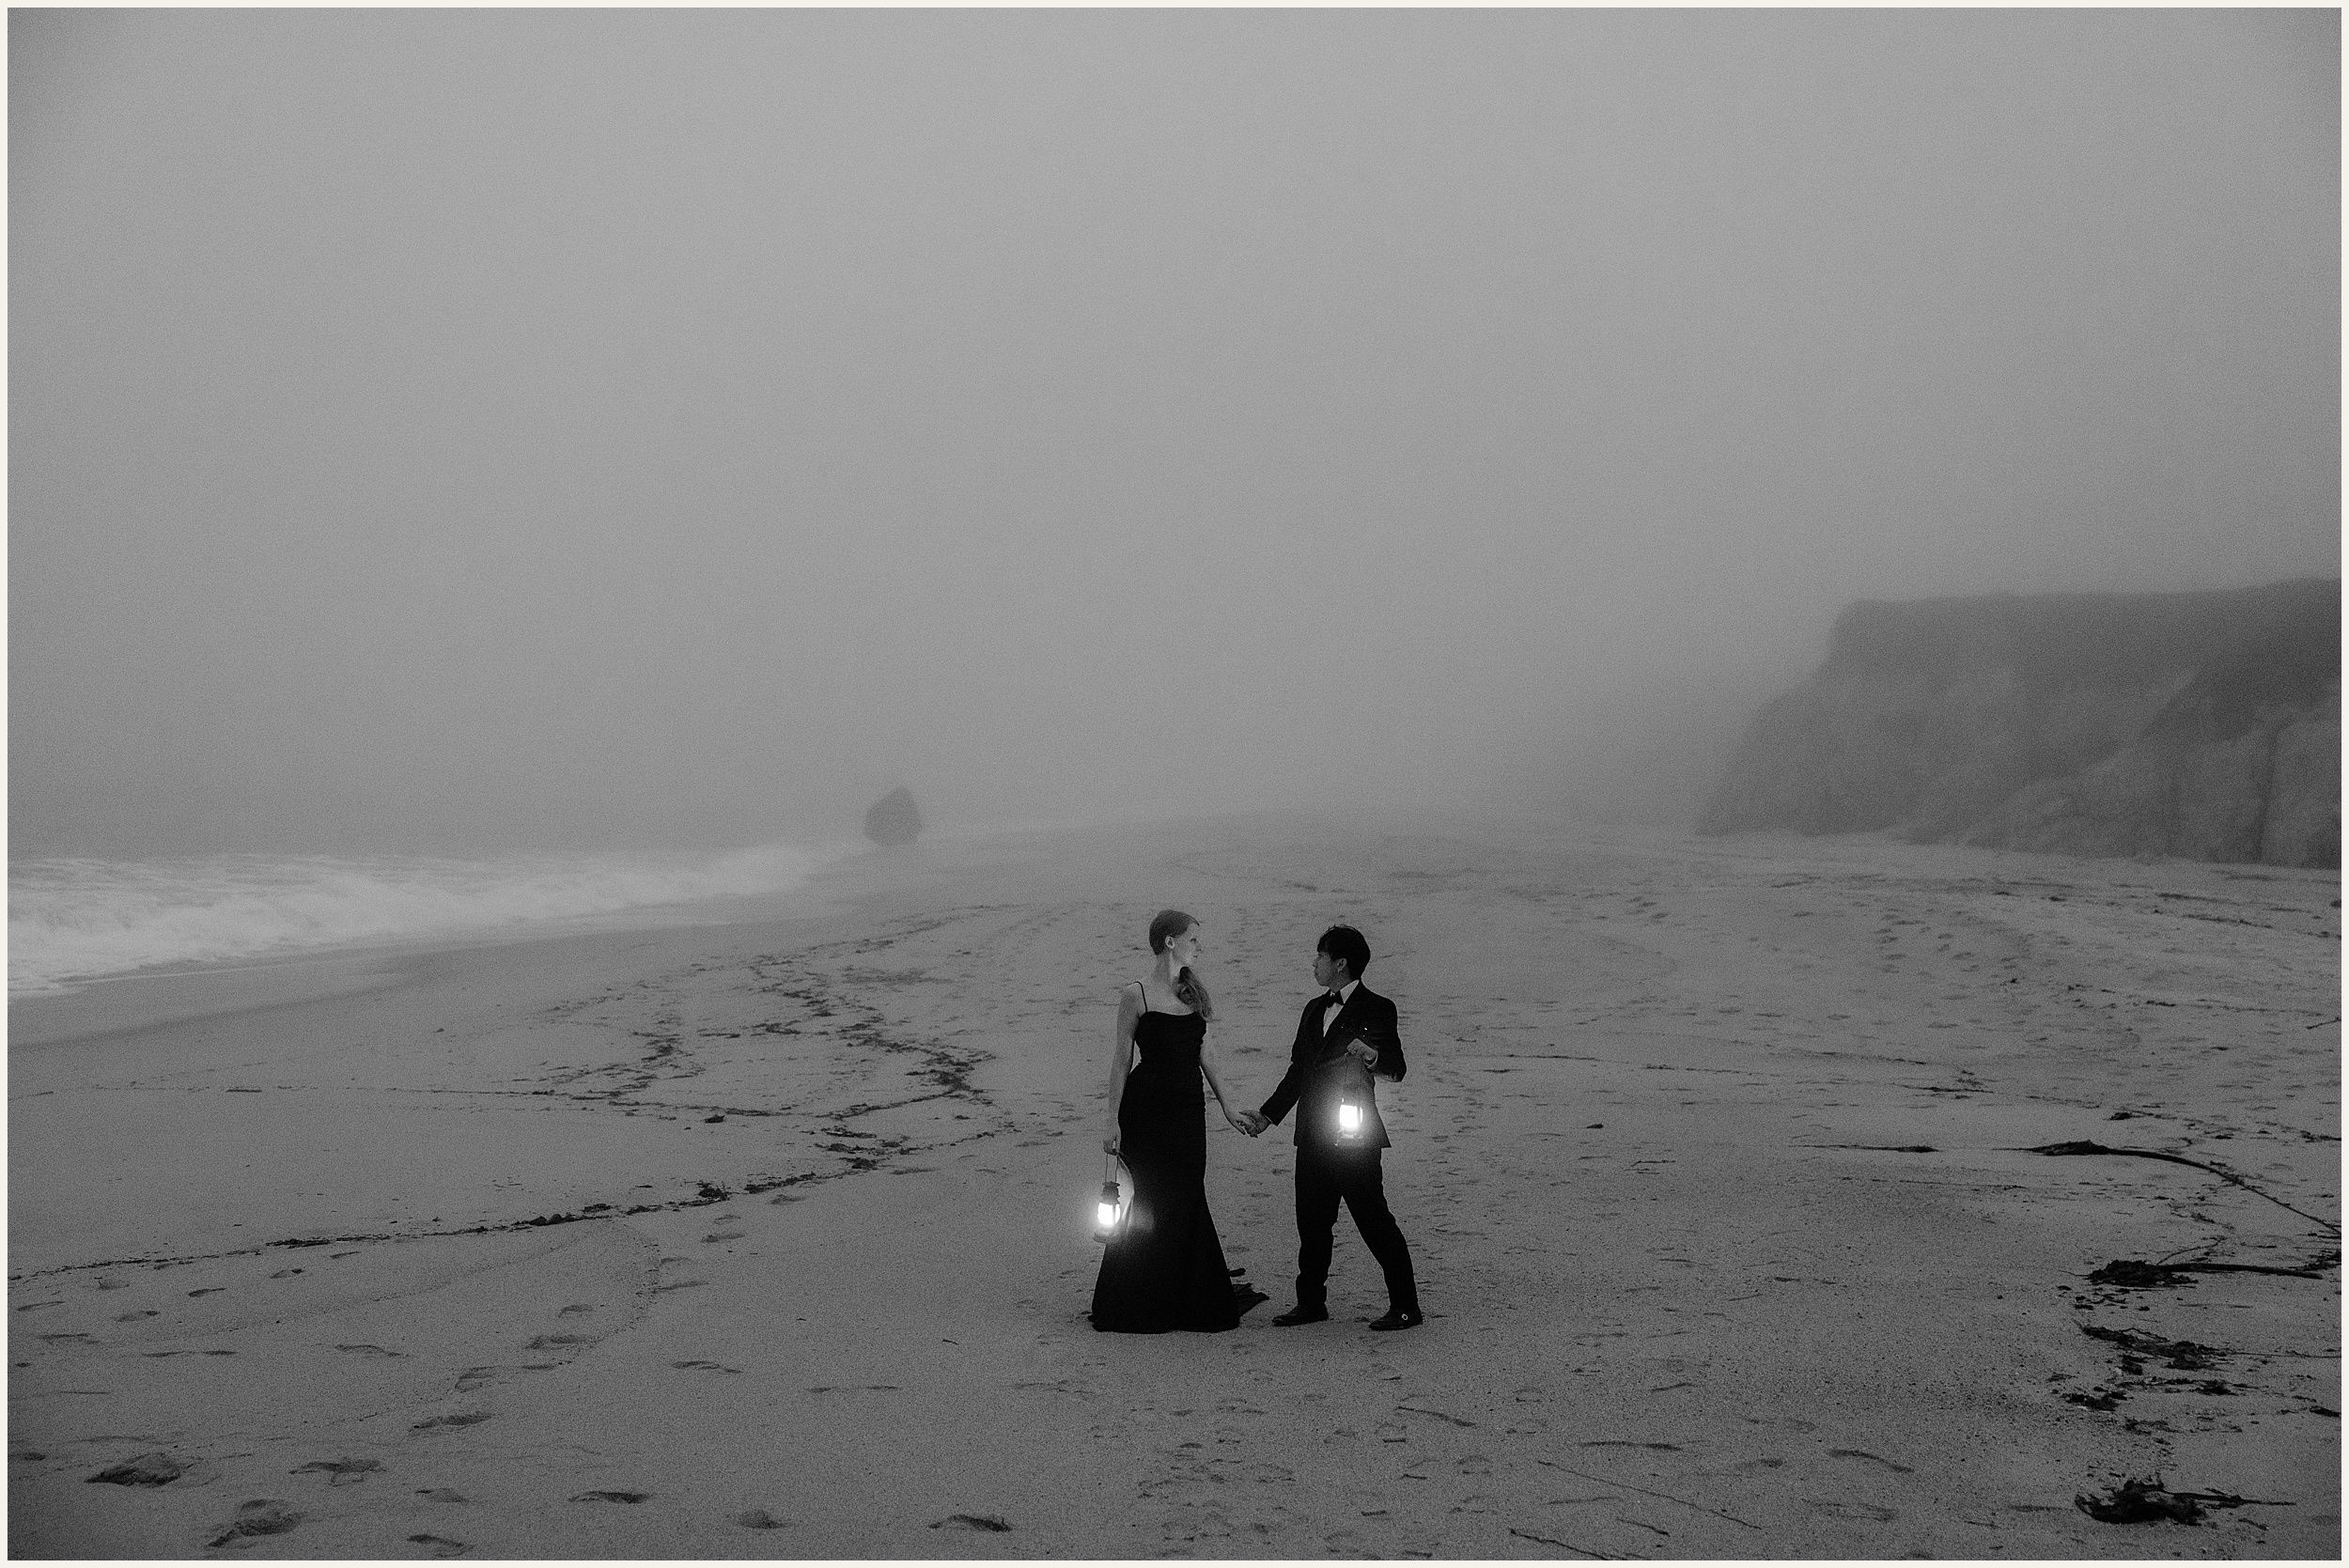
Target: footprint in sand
258,1516
575,1308
443,1493
555,1341
701,1366
154,1470
990,1522
759,1518
371,1350
340,1472
440,1546
611,1497
463,1418
1842,1508
1872,1458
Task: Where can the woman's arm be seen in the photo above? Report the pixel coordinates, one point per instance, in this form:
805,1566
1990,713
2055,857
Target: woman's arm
1121,1059
1209,1064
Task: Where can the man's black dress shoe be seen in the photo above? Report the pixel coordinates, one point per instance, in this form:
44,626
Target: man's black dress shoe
1396,1320
1295,1315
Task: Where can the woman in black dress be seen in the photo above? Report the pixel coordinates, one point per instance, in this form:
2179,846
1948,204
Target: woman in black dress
1164,1269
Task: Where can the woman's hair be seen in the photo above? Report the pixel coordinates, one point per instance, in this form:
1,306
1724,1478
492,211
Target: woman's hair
1170,924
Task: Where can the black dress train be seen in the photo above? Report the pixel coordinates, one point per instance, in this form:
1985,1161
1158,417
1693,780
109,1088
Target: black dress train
1164,1269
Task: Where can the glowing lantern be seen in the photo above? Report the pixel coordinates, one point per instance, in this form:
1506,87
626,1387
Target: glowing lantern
1111,1210
1351,1119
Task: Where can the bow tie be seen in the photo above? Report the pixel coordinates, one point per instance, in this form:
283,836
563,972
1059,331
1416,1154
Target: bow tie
1333,999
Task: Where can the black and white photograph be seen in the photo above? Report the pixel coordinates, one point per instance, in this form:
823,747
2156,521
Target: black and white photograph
1093,784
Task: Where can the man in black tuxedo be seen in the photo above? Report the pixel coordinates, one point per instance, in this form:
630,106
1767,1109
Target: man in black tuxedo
1346,1041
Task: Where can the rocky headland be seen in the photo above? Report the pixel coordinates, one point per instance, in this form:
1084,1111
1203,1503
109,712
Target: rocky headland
2202,725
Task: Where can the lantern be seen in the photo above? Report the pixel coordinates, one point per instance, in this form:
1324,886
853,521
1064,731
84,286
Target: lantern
1111,1211
1351,1117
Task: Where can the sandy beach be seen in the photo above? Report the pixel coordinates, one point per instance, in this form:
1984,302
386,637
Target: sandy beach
1726,1164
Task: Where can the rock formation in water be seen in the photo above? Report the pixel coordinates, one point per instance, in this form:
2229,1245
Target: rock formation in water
2201,726
892,818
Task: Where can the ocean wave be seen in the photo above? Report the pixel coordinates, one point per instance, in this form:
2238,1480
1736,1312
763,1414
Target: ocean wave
74,919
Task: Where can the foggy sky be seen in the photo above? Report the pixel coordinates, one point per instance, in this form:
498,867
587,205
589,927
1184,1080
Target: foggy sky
444,429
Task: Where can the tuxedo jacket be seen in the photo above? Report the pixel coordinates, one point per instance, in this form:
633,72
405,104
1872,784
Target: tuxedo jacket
1321,1068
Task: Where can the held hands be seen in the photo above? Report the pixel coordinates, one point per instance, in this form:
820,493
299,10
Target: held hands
1246,1121
1363,1052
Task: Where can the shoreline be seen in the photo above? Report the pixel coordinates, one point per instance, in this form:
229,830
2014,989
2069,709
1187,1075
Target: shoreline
1716,1156
118,1001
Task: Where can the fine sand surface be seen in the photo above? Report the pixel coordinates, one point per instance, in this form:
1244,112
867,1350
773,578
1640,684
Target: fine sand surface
1715,1155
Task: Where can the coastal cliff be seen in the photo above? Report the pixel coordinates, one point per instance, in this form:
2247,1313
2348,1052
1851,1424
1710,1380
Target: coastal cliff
2202,725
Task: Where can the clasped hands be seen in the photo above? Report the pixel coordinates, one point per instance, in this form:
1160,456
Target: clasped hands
1253,1123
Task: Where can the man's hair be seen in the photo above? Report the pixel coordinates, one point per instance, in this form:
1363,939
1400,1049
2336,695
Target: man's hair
1348,947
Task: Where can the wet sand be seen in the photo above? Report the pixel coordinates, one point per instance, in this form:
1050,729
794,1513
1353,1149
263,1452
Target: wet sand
1724,1163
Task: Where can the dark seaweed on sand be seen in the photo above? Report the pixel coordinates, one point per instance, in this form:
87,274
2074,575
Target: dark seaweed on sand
2134,1274
2137,1501
2088,1146
2180,1354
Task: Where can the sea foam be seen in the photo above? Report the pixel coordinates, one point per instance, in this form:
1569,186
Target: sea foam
74,919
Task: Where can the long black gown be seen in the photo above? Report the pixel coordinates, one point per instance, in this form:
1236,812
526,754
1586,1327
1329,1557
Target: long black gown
1165,1268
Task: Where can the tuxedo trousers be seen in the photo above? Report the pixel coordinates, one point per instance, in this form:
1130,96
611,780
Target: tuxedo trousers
1324,1179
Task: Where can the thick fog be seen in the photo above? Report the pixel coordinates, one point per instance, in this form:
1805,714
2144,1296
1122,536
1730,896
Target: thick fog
458,430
